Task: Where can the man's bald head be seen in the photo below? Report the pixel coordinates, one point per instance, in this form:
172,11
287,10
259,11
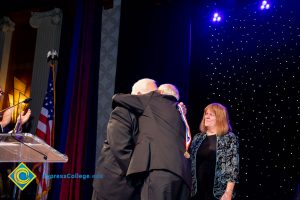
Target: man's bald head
169,89
144,86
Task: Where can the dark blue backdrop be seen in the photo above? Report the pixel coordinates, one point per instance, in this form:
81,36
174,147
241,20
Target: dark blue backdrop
249,62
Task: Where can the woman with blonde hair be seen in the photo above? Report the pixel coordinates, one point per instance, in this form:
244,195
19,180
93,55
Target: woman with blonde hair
214,156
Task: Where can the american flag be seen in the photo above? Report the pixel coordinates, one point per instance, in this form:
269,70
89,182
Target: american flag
45,132
45,123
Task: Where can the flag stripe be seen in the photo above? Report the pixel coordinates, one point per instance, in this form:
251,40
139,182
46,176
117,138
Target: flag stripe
44,131
42,127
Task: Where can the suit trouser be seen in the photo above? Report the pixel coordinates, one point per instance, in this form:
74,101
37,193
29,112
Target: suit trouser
114,187
164,185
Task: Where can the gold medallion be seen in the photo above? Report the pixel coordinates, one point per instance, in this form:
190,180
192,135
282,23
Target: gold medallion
187,155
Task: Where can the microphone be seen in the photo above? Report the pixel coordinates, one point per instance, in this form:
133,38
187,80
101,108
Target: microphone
24,101
27,100
16,136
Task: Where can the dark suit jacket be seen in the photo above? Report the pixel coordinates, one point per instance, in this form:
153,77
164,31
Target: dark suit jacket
115,155
161,139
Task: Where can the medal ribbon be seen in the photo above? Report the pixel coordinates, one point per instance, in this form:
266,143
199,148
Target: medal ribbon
188,137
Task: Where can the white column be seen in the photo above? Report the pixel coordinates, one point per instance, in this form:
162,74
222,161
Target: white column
48,25
7,28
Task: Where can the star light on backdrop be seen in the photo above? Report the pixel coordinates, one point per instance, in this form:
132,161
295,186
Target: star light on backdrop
264,5
216,17
252,65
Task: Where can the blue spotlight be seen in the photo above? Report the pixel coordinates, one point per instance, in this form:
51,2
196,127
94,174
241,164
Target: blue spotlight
264,5
217,17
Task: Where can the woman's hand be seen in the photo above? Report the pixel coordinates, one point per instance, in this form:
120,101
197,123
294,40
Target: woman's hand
227,195
24,117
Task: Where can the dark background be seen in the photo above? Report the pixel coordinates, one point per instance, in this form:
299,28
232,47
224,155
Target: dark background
249,62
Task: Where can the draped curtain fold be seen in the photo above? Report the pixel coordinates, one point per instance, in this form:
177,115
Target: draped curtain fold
77,119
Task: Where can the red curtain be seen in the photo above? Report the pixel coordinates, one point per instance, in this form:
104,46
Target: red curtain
80,140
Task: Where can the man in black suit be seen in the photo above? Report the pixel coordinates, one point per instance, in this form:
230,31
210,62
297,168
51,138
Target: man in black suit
158,158
117,149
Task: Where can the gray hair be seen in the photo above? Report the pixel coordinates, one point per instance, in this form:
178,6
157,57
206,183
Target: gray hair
144,86
169,89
